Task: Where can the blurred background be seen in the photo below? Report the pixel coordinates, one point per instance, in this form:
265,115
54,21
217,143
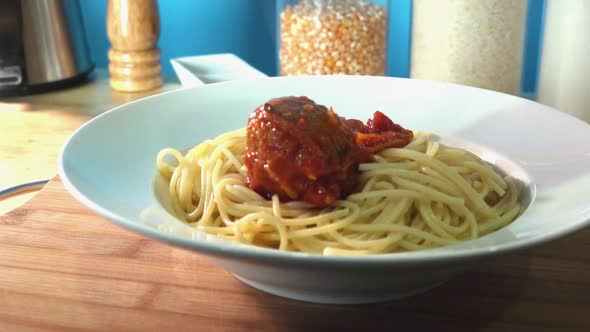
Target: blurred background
247,29
536,49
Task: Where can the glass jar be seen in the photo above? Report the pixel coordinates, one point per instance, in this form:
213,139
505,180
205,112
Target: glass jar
477,43
321,37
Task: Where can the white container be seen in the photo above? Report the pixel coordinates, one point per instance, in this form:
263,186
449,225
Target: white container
565,61
477,43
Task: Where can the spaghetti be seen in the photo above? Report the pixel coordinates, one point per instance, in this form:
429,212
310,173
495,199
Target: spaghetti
421,196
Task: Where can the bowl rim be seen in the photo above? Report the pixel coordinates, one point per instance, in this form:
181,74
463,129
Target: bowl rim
267,255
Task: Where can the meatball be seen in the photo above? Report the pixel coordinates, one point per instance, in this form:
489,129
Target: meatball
300,150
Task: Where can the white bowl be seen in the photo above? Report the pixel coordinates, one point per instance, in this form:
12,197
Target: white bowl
109,165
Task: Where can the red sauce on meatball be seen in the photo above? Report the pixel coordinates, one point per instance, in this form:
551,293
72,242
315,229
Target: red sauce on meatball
300,150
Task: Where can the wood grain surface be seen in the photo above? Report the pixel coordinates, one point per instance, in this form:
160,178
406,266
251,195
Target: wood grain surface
33,128
62,268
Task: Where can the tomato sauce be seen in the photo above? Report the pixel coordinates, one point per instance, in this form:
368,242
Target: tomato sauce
300,150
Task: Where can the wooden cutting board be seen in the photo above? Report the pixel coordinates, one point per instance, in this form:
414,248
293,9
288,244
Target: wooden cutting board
62,268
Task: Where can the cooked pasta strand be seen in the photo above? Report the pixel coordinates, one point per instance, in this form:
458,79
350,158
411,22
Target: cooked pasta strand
422,196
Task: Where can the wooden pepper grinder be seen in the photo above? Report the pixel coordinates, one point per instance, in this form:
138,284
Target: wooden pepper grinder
133,28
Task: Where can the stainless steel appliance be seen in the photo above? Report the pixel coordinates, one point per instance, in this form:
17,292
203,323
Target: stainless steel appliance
43,46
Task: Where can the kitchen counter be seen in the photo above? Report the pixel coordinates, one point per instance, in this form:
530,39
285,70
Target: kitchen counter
33,128
64,268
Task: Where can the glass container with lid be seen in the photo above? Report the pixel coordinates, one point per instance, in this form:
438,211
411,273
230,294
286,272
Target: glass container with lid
477,43
320,37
